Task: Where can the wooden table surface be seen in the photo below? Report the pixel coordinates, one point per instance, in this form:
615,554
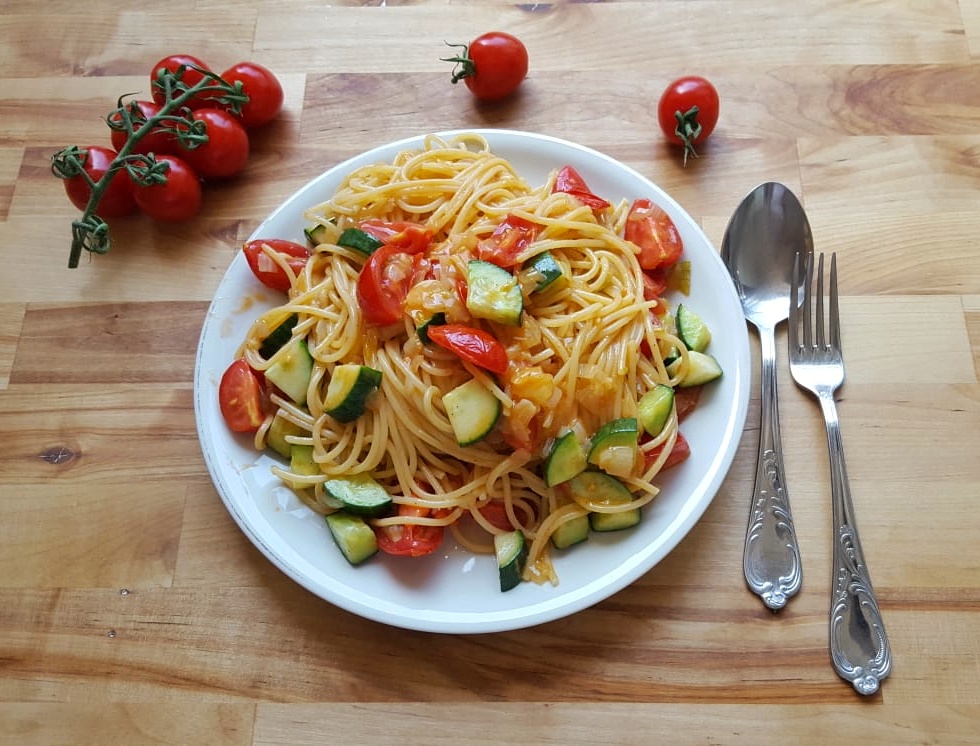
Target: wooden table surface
132,608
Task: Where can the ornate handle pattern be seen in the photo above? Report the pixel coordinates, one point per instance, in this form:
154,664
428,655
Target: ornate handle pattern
859,647
771,556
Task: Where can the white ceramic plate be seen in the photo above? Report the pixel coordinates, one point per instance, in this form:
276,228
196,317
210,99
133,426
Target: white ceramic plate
452,590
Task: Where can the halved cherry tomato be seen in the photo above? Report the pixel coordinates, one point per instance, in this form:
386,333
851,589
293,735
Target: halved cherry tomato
571,182
508,241
240,398
680,451
266,270
473,345
383,285
649,227
408,540
495,512
411,238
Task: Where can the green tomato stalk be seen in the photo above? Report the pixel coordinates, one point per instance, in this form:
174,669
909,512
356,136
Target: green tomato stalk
89,231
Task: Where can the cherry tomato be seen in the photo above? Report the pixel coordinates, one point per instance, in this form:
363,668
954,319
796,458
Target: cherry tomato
117,200
508,241
225,153
383,285
473,345
408,540
411,238
688,112
158,140
495,513
268,272
263,89
651,229
571,182
240,398
680,451
685,400
176,199
493,65
190,77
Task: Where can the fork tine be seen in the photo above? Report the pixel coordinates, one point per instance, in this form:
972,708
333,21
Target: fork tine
808,304
821,339
794,302
834,305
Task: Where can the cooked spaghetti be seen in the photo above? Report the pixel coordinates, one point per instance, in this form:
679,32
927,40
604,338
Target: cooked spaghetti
583,353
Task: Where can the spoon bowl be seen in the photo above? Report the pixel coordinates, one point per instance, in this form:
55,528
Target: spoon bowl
766,232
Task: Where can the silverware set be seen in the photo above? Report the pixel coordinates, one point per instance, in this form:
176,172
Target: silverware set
768,227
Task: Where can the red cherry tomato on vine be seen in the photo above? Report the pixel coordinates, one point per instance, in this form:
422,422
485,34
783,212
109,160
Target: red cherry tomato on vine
240,398
492,66
190,77
263,89
408,540
266,269
117,200
688,112
473,345
176,199
158,140
225,153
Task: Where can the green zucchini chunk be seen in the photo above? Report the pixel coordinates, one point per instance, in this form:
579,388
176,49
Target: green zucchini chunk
353,536
493,293
473,410
348,391
511,551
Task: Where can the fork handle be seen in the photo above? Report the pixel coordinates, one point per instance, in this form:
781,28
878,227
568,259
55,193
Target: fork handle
771,556
859,648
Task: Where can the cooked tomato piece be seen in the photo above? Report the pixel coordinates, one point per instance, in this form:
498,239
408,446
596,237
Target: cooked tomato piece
508,241
654,233
571,182
409,540
473,345
266,269
240,398
383,285
680,451
686,399
411,238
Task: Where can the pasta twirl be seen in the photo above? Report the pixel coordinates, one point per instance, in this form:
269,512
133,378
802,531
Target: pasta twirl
587,346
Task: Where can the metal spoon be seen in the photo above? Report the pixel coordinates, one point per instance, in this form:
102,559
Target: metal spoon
761,241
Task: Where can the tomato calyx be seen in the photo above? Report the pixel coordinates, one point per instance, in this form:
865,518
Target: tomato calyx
465,68
688,130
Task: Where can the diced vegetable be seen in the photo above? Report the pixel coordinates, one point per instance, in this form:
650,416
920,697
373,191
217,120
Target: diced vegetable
614,521
291,370
493,293
473,410
571,532
592,488
654,408
615,446
692,330
348,391
278,336
353,536
543,270
355,238
316,234
359,494
275,436
702,368
566,458
422,330
511,551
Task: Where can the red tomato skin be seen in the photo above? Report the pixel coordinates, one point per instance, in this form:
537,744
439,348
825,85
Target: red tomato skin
157,141
190,77
571,182
499,62
411,238
225,153
680,96
383,284
178,199
650,228
273,277
473,345
264,91
117,200
679,453
240,398
409,540
508,241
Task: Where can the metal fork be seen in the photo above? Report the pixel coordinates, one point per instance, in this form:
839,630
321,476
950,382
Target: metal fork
859,648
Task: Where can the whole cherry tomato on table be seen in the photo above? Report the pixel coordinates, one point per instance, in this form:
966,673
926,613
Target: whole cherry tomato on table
176,198
190,77
265,95
492,65
688,112
240,398
266,269
226,151
117,200
158,140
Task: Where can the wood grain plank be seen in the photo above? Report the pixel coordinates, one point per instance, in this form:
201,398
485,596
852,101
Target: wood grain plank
588,724
87,724
971,305
11,319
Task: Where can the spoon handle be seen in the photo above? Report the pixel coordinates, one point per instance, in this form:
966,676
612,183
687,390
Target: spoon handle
771,557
